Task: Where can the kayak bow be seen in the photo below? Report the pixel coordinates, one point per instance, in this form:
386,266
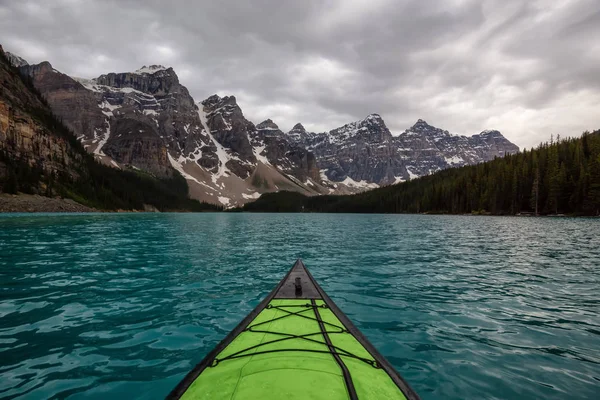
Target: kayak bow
296,344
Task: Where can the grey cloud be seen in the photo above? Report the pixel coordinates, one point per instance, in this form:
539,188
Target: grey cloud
527,68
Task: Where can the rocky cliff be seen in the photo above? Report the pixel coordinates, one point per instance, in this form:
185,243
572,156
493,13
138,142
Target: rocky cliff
26,142
274,148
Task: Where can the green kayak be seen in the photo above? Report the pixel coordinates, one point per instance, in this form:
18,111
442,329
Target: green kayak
296,344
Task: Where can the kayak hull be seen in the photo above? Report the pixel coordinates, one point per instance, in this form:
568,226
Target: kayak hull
296,344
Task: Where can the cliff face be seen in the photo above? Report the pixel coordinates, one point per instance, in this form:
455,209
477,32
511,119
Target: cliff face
137,143
274,148
74,104
24,137
154,95
227,124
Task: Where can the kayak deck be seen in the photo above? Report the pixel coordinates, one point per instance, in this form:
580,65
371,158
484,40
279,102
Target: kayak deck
295,345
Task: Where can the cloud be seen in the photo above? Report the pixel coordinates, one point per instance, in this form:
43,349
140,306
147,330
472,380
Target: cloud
529,68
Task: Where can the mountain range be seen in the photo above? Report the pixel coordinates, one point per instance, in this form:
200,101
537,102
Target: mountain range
146,120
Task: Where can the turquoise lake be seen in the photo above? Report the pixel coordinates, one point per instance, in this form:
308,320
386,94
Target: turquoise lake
122,306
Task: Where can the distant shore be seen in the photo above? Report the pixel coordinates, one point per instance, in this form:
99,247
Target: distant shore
16,203
35,203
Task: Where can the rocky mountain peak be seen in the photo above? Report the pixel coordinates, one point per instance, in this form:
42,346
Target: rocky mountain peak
232,130
15,60
216,101
267,125
211,100
230,100
421,126
151,69
491,133
299,135
374,117
155,80
42,67
375,121
371,128
299,128
226,106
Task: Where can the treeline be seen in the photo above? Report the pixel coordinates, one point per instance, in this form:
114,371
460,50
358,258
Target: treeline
100,187
559,177
91,183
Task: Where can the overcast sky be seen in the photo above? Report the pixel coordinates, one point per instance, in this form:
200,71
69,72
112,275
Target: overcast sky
527,68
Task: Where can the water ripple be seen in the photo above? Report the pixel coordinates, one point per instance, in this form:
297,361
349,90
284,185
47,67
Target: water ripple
122,306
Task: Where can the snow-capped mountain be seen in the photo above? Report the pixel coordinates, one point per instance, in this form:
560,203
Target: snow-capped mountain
15,60
428,149
364,153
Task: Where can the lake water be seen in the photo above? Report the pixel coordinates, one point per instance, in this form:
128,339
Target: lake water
122,306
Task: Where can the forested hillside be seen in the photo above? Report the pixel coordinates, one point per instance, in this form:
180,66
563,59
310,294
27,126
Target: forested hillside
39,155
560,177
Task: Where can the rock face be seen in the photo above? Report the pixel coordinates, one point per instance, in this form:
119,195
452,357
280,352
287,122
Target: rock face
77,106
365,153
358,154
24,138
136,143
159,118
274,148
228,126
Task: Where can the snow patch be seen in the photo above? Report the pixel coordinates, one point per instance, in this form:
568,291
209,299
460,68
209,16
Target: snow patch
202,116
257,153
105,105
223,158
89,84
254,195
360,184
150,69
221,152
224,200
98,151
454,160
179,167
411,175
295,180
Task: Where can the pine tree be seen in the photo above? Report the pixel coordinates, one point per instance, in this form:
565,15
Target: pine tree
535,191
514,205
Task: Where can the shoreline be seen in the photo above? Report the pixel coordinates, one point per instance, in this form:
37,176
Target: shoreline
34,203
